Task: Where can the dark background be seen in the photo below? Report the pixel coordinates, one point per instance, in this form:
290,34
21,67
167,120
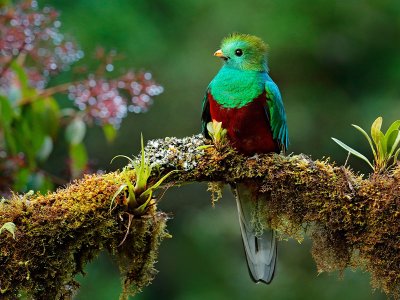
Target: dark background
336,63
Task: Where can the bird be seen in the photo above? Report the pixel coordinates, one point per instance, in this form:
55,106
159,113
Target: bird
248,103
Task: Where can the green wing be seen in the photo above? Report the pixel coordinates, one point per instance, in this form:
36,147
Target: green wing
205,114
277,115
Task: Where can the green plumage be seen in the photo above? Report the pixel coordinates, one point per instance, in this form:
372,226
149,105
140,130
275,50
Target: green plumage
243,97
234,88
277,114
243,78
254,49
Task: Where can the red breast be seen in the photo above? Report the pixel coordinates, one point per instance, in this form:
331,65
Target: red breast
248,127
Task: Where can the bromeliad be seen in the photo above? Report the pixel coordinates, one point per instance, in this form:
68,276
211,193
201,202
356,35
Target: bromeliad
243,97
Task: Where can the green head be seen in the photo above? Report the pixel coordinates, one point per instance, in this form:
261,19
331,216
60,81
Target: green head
243,52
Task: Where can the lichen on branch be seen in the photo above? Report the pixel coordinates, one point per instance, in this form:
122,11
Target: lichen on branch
353,221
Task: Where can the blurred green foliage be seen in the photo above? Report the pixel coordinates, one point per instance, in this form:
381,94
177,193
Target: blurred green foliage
33,49
336,63
28,133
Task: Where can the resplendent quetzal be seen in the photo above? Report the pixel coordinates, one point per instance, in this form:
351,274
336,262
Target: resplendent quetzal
248,103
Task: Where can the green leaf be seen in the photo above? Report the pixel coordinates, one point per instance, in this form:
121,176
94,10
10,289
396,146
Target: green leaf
50,116
392,137
382,145
395,144
394,126
21,74
217,126
352,151
79,158
75,131
21,179
143,171
395,156
210,128
391,140
142,207
217,133
131,196
67,112
14,94
10,227
124,156
376,130
27,135
131,193
46,149
23,90
120,189
157,184
6,112
10,141
204,147
109,132
367,137
30,131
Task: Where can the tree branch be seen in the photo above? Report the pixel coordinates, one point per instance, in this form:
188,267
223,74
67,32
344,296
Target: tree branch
353,222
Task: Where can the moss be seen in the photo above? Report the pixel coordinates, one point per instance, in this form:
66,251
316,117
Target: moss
58,233
215,188
353,221
138,253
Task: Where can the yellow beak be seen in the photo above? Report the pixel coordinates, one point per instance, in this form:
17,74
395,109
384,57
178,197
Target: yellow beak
219,53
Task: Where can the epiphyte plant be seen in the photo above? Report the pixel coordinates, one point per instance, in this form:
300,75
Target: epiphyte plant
384,146
139,193
216,132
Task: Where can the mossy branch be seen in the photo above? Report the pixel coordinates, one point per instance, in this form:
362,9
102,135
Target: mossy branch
58,233
353,222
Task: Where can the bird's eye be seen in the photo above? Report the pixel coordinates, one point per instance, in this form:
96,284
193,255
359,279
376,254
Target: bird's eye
238,52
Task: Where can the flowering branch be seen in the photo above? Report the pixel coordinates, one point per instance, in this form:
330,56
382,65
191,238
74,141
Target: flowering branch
32,50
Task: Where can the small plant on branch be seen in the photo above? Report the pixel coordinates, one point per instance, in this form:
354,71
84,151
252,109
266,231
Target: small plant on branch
217,134
139,194
384,146
10,227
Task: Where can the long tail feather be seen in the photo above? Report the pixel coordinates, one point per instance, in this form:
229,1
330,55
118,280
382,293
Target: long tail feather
260,247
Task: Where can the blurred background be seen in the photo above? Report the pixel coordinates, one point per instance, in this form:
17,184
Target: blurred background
336,63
